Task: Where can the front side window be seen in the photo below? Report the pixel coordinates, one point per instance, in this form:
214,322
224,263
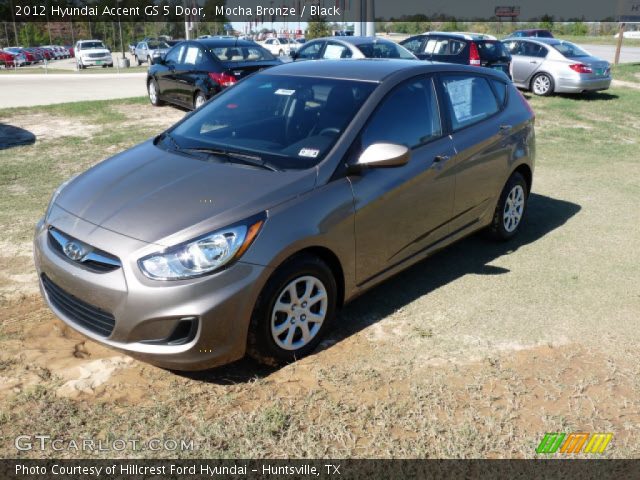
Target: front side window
470,99
413,44
311,51
289,122
384,49
408,116
175,54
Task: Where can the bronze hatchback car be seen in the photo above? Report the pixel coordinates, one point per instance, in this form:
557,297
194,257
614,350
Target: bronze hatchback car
244,227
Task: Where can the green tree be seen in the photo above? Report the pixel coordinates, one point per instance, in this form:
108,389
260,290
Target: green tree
317,27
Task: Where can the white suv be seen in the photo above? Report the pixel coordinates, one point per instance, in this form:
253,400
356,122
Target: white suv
280,46
92,52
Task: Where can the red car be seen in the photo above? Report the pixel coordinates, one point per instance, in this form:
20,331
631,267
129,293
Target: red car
7,59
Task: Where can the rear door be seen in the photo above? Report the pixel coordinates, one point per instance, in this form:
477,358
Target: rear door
448,50
480,137
402,211
190,73
494,55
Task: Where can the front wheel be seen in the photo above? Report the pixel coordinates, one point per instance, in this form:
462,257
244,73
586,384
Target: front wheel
511,208
199,100
293,311
154,93
542,85
138,60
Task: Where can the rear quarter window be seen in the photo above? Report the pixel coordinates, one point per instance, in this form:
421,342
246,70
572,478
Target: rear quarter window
501,91
470,99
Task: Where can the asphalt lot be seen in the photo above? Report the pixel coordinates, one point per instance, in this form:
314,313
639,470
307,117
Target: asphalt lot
608,52
31,90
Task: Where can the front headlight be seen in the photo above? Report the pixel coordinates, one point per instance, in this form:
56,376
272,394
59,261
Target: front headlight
204,254
57,192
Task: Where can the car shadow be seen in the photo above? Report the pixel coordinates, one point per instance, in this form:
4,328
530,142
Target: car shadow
12,136
472,255
589,96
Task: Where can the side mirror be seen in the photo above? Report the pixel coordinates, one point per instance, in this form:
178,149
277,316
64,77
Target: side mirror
293,54
382,155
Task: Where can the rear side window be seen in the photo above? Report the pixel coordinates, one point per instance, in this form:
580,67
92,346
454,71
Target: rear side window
310,51
532,50
501,91
444,46
175,54
194,56
408,116
492,50
470,99
335,50
241,54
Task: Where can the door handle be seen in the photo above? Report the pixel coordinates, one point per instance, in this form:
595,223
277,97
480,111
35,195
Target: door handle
534,62
440,159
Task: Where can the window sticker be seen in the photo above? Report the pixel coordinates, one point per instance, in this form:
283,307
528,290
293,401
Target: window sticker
333,51
308,152
284,91
192,54
460,94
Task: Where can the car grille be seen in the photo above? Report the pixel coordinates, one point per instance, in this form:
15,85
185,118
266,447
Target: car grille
97,55
85,315
96,260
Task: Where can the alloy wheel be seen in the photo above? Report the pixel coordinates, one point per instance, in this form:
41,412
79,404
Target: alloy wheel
513,208
541,85
299,312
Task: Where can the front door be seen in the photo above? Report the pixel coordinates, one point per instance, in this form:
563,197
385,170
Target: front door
403,210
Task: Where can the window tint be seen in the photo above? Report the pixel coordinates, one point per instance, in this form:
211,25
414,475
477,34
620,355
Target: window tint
470,99
412,44
501,90
384,49
570,50
241,54
532,50
408,116
336,50
174,55
491,50
310,51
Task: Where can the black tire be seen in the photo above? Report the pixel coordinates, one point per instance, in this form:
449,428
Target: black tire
498,229
138,60
149,61
199,97
261,344
156,102
547,79
105,65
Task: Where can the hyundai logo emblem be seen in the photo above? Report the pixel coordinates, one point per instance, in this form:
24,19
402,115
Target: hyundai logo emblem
74,251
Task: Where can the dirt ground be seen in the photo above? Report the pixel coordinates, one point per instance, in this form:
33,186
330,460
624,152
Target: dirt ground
476,352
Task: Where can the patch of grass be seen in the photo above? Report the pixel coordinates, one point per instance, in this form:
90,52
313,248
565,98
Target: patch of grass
628,72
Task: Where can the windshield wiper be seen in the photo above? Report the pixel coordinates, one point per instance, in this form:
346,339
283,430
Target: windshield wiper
236,157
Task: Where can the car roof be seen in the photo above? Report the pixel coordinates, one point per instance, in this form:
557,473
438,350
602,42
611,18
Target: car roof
365,69
463,35
224,42
354,40
546,41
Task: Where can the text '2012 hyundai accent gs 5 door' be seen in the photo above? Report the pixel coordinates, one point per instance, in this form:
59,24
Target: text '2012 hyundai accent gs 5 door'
244,227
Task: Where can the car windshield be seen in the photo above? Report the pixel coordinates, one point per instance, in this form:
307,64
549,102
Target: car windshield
491,50
234,53
384,49
288,122
88,45
569,49
157,45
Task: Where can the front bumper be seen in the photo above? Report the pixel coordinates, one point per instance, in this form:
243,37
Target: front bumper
146,310
88,62
576,84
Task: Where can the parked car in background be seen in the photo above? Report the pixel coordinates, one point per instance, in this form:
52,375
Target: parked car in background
37,54
548,65
71,51
280,46
173,43
463,48
195,70
9,59
350,47
533,32
22,56
150,51
92,53
326,179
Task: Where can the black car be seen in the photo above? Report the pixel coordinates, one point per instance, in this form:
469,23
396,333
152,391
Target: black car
462,48
194,71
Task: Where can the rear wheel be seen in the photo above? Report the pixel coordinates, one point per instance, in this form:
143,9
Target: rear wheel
154,93
542,84
149,61
199,100
281,53
510,209
293,311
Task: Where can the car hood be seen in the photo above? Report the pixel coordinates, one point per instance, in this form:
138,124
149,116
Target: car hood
162,197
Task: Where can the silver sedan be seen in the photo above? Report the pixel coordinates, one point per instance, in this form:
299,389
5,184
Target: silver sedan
150,52
548,65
